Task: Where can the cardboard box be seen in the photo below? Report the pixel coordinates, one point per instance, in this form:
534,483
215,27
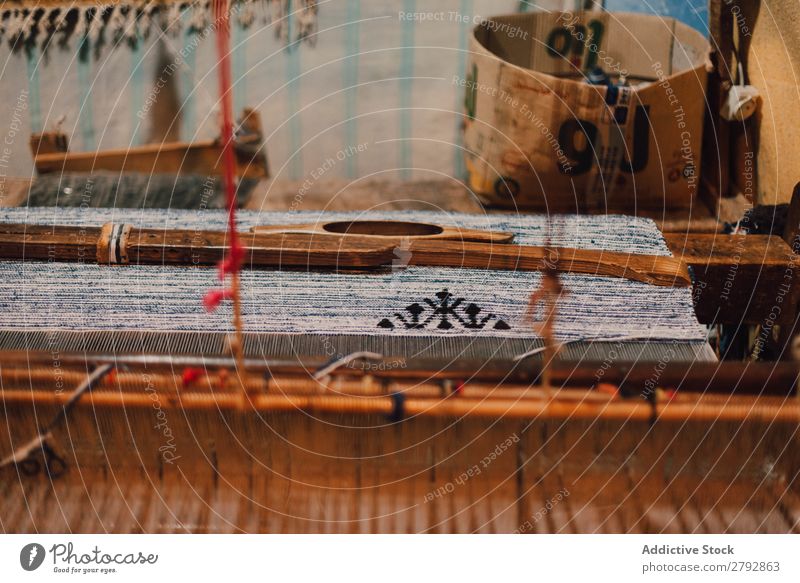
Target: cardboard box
539,136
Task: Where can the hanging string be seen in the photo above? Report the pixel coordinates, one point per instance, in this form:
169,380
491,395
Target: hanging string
547,295
231,265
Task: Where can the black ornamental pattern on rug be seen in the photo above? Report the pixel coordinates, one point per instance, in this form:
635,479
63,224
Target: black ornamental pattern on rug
444,313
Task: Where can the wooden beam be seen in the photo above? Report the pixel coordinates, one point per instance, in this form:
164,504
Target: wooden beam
192,248
204,158
123,244
740,279
791,234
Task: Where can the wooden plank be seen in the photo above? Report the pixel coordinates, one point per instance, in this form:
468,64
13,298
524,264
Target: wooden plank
43,243
792,232
198,247
182,247
384,229
209,247
651,269
204,158
747,279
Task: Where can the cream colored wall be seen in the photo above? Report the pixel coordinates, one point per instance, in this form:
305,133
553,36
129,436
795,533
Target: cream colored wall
774,67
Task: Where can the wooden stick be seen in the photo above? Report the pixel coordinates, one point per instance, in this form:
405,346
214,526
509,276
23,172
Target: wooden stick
187,247
652,269
760,409
726,378
190,248
180,158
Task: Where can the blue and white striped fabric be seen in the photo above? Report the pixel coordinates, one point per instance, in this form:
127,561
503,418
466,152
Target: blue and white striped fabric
89,297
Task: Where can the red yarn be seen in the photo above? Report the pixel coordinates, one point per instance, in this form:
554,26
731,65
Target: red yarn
190,375
233,262
228,160
214,298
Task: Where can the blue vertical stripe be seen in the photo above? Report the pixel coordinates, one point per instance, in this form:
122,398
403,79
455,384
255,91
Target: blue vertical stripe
293,79
34,100
137,88
406,86
239,67
351,80
459,169
85,84
189,98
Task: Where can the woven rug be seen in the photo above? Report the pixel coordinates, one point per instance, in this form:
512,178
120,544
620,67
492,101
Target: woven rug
401,302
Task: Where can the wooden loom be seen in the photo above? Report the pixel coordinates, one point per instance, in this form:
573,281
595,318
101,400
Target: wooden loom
363,449
171,443
154,443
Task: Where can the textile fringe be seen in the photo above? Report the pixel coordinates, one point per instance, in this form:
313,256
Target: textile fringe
25,26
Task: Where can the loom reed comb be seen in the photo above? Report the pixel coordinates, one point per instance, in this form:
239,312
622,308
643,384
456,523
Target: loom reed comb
357,246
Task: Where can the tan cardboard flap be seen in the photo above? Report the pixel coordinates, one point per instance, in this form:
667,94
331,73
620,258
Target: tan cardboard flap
566,43
540,135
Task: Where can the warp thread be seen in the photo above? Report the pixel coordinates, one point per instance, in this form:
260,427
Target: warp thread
165,298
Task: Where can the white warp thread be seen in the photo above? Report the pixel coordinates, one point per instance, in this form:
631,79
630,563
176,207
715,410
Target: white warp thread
89,297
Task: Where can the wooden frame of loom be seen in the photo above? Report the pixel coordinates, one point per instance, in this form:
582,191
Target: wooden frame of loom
50,154
512,392
496,399
297,454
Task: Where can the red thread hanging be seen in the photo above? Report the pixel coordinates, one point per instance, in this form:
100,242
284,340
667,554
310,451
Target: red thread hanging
190,375
215,297
231,264
229,163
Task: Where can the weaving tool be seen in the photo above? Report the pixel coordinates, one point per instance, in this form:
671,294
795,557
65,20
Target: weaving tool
122,243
